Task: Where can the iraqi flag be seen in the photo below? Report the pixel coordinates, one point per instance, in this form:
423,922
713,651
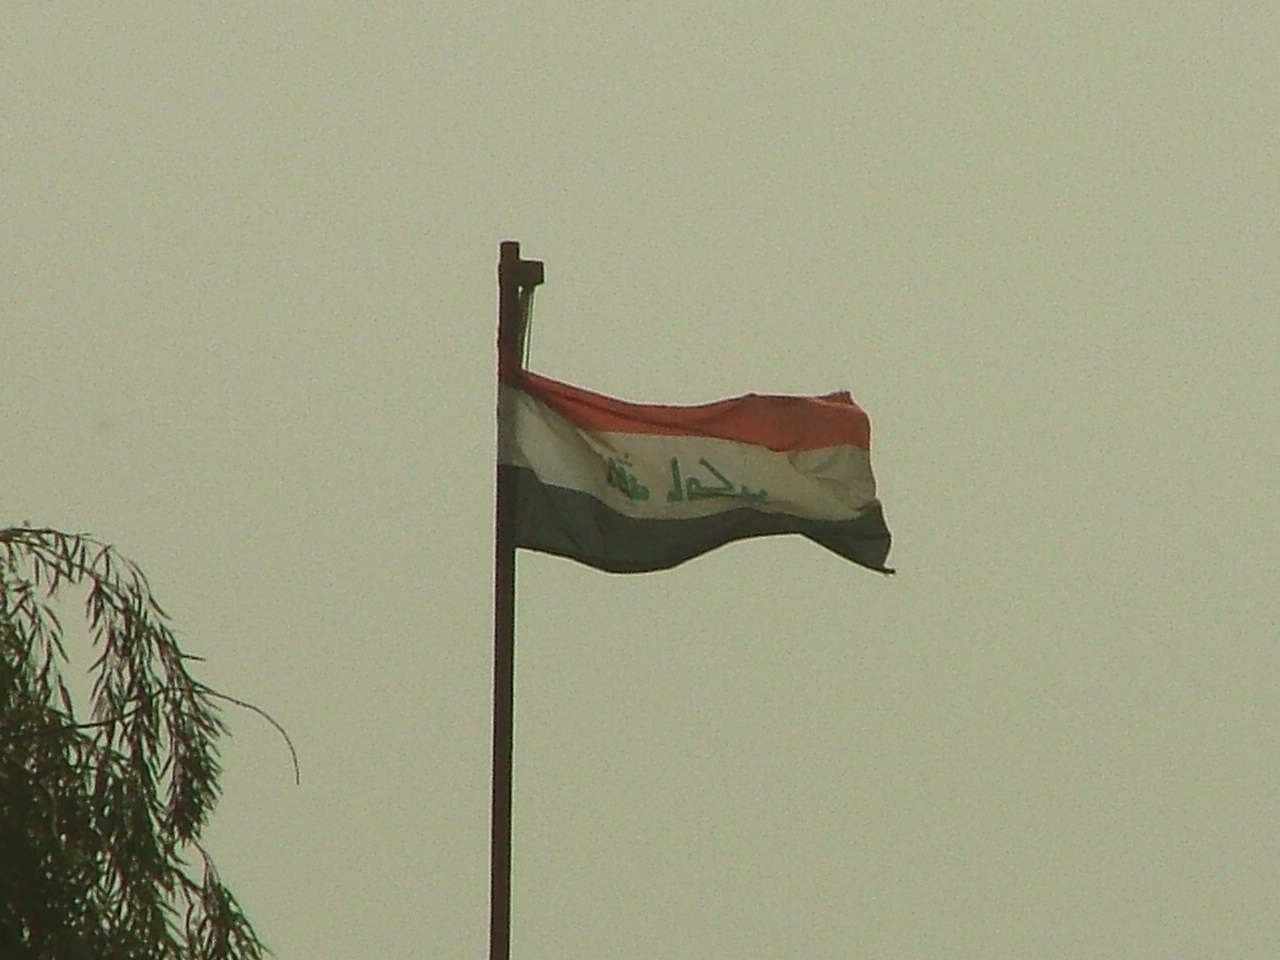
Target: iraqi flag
629,488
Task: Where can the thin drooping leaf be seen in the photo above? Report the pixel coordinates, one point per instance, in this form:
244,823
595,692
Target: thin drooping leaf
98,818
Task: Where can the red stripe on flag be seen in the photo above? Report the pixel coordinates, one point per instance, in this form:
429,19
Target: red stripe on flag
777,423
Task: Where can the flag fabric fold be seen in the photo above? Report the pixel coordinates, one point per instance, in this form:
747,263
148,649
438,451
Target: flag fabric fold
631,488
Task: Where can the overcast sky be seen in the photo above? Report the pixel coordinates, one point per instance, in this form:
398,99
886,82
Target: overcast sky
247,313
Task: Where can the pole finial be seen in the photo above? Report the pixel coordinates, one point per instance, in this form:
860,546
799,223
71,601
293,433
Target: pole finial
516,272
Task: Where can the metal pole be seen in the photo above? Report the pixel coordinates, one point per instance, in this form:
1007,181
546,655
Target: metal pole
516,278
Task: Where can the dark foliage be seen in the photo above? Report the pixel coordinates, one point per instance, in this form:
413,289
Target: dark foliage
98,817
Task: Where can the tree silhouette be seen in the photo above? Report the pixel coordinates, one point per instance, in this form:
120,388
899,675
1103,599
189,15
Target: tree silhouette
98,818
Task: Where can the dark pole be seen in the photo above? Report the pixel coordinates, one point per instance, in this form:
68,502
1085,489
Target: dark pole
516,280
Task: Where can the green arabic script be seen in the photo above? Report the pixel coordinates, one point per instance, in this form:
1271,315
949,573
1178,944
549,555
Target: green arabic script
692,488
619,476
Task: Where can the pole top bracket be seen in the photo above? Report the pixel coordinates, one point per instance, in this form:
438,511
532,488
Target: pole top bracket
514,271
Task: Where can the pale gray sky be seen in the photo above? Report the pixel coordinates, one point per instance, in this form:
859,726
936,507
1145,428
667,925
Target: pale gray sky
247,322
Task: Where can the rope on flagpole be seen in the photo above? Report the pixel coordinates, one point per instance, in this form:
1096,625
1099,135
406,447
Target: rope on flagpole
526,314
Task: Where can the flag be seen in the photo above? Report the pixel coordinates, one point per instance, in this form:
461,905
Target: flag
629,488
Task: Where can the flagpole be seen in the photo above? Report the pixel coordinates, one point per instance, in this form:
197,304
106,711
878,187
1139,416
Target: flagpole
516,280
